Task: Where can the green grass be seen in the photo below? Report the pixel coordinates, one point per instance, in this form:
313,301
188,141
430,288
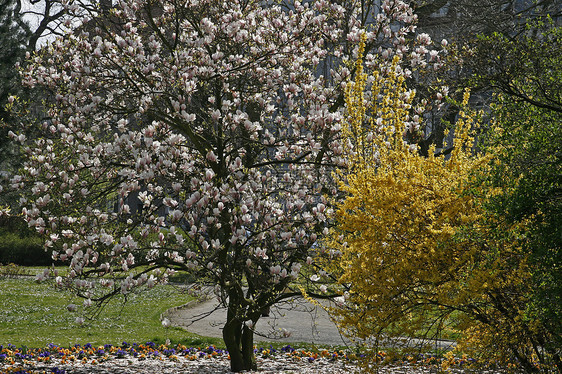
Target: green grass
35,315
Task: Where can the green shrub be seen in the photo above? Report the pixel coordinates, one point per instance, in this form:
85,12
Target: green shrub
20,245
25,251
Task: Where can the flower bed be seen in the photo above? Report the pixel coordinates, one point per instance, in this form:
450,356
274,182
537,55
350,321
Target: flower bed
52,358
133,358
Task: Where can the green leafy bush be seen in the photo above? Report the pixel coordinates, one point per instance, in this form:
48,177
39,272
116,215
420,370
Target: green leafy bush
20,245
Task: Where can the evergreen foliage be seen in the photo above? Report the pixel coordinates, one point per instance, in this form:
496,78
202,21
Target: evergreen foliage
14,33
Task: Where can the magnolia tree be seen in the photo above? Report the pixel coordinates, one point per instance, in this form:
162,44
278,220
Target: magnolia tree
199,136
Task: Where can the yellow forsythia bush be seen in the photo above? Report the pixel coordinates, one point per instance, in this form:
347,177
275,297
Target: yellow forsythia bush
419,254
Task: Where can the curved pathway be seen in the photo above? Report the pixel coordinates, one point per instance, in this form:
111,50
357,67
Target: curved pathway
299,319
292,321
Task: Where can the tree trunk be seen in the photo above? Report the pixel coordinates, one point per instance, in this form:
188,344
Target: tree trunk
248,348
230,335
239,340
528,367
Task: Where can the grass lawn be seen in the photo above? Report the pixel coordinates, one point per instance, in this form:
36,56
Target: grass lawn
35,315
